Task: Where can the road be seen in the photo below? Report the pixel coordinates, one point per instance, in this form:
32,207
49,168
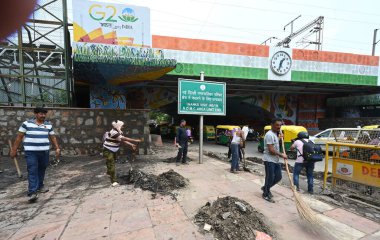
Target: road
251,151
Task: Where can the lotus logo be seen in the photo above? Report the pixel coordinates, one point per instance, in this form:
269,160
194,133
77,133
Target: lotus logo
128,15
203,87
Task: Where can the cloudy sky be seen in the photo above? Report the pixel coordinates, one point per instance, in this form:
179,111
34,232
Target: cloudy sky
349,24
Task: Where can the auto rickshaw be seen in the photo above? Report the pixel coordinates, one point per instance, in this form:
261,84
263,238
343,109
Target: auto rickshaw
371,127
223,134
290,132
209,132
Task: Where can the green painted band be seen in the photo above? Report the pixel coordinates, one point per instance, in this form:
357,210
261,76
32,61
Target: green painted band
333,78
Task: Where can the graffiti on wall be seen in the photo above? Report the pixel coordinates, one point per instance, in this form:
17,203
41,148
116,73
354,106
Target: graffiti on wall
107,97
282,106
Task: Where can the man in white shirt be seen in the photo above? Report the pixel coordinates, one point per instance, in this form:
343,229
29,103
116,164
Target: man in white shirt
300,163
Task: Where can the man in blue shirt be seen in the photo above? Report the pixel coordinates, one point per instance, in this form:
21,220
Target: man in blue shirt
181,142
37,134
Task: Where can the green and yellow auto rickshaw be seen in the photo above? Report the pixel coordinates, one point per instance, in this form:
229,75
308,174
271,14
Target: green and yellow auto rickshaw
209,132
290,132
223,134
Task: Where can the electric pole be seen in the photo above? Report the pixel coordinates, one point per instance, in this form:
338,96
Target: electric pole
375,41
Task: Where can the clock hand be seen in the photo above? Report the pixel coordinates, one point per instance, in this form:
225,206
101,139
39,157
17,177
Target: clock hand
281,63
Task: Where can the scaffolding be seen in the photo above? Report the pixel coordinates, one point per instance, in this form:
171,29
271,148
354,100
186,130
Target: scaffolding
35,61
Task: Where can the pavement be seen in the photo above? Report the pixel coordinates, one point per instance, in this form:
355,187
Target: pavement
98,211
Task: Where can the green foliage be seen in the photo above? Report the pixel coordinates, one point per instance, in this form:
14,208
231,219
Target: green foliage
160,117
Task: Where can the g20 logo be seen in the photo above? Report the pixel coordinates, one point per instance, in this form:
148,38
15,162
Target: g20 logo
99,13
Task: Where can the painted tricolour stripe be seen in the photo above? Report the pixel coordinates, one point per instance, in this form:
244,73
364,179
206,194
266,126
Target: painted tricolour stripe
329,67
378,76
335,57
216,59
333,78
250,61
198,45
188,69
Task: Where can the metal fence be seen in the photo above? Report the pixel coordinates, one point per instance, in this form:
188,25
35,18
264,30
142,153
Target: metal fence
35,65
356,166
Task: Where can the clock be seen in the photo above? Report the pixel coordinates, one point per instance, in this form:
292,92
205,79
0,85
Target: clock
281,63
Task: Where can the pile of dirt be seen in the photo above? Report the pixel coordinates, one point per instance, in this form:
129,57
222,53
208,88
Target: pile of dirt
174,159
231,218
164,183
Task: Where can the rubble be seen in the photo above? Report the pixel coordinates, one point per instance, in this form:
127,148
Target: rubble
164,183
232,218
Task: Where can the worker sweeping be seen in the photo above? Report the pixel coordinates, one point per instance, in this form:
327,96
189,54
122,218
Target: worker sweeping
272,155
111,145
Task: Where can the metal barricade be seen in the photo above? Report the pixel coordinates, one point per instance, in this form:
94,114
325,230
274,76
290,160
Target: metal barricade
356,166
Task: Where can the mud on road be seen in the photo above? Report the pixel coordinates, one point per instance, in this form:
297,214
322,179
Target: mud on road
164,183
232,218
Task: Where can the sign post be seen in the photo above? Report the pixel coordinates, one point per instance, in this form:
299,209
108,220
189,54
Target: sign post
201,98
201,128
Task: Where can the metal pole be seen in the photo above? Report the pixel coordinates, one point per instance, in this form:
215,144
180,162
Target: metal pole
21,62
201,129
66,53
374,42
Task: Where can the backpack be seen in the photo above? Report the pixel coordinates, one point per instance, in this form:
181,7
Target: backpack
311,152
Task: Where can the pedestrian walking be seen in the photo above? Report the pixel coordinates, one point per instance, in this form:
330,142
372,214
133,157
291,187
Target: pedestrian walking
271,159
37,134
237,140
181,142
298,145
111,146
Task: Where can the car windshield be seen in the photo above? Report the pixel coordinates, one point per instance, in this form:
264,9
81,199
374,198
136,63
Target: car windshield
324,134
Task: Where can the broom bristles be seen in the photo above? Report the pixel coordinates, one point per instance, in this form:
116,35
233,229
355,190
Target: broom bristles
304,210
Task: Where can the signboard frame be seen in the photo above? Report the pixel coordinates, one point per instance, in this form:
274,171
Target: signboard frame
180,80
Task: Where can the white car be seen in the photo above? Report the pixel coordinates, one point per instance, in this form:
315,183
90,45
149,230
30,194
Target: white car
347,135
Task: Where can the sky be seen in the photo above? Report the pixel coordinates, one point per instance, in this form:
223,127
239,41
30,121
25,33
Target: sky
348,24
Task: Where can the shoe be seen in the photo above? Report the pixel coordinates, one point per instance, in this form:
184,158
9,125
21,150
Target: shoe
33,197
267,198
311,192
185,163
177,164
43,190
115,184
269,194
298,189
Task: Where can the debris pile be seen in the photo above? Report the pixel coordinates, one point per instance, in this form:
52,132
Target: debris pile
164,183
230,218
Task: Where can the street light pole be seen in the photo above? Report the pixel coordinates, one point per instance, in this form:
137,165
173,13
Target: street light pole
201,129
374,41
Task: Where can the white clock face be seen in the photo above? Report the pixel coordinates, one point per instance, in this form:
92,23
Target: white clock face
281,63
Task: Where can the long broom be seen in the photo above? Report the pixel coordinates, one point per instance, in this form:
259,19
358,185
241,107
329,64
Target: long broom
303,209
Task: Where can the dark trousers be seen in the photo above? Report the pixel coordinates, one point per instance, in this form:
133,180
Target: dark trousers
273,175
182,152
309,174
235,149
229,154
36,162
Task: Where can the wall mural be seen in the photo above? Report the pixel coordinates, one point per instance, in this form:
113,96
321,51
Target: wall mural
258,108
107,97
280,105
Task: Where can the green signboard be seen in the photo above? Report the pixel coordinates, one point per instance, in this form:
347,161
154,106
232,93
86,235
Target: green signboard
201,98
